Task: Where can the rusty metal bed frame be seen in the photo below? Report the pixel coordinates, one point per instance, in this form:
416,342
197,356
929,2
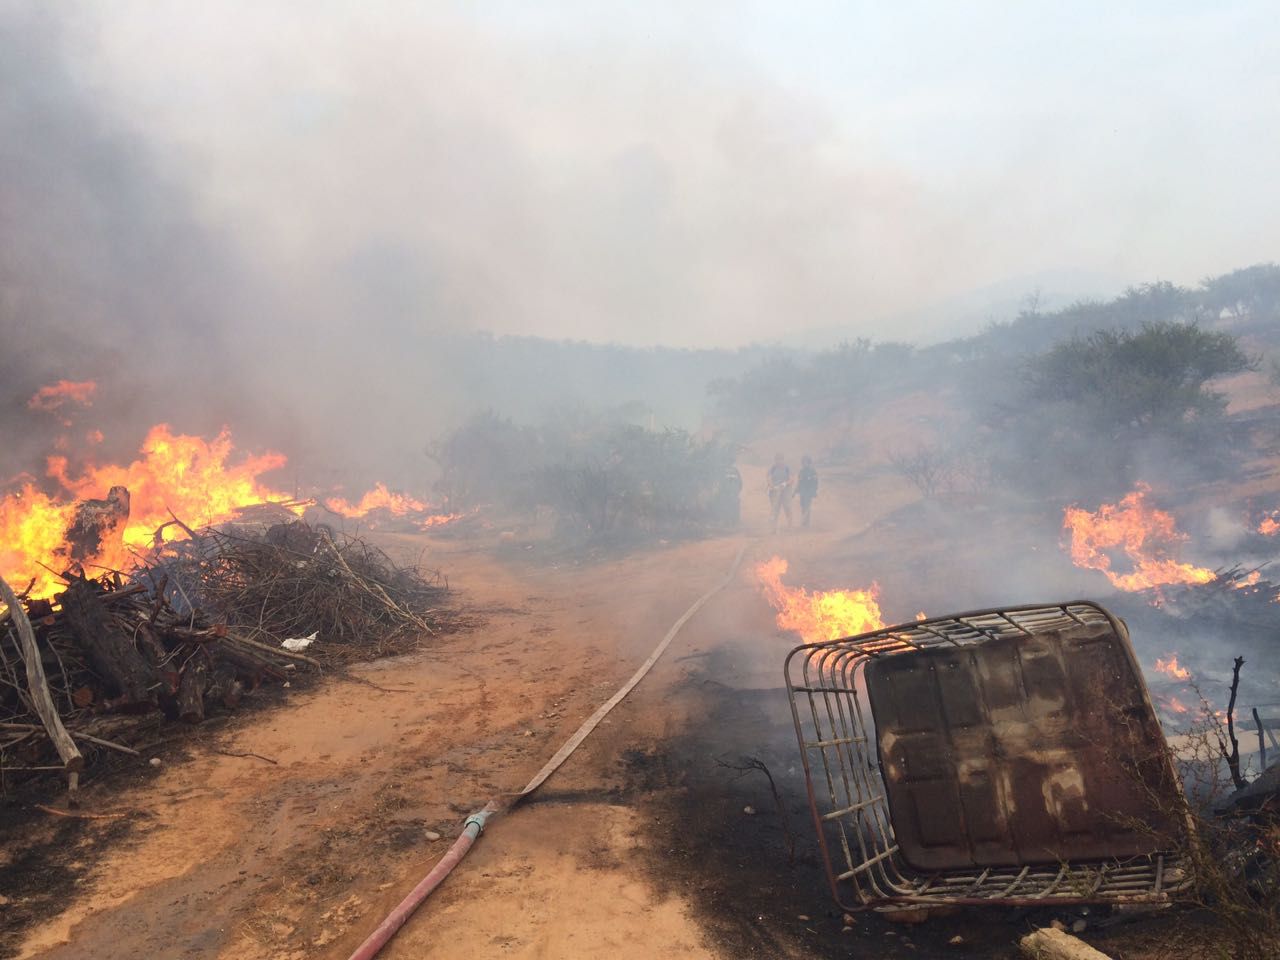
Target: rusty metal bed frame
847,793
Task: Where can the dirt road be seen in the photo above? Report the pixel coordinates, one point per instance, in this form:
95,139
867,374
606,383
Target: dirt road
648,843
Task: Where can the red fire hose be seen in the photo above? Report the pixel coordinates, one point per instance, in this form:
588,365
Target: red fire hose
473,826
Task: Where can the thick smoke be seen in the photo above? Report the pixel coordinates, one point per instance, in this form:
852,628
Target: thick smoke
348,358
299,221
105,273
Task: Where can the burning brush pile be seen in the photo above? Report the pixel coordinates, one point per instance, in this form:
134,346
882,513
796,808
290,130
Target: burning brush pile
122,616
196,626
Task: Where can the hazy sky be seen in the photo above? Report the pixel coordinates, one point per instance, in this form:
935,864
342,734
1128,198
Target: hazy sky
707,173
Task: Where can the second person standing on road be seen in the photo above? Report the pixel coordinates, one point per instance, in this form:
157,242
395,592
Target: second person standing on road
806,487
779,490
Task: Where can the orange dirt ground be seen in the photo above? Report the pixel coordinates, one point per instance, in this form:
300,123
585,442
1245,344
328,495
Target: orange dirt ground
232,857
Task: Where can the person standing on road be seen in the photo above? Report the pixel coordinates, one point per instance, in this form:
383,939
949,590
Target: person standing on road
729,495
806,487
779,490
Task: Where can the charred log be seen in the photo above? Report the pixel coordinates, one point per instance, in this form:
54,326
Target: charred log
107,647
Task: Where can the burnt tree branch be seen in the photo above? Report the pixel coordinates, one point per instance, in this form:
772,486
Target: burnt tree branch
1233,756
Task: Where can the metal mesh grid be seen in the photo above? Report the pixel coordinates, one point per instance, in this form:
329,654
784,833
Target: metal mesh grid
827,690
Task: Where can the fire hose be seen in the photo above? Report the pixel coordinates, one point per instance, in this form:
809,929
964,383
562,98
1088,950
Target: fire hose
474,825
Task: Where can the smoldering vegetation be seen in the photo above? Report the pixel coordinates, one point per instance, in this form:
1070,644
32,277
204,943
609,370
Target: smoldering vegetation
1077,402
1164,388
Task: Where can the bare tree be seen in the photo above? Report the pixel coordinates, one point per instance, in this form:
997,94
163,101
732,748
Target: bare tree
929,466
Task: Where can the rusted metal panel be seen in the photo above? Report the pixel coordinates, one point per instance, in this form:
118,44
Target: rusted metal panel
1025,755
1016,751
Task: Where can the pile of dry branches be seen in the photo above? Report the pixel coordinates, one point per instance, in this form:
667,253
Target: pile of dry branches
193,629
299,580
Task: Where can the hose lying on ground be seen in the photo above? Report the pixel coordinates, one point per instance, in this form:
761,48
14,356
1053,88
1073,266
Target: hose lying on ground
474,824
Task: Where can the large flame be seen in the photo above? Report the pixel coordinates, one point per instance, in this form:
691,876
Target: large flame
388,501
379,498
1148,537
821,614
188,475
1270,524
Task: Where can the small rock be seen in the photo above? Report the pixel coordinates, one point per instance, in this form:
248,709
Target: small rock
286,684
431,835
749,811
803,917
849,919
956,941
1080,926
846,929
155,761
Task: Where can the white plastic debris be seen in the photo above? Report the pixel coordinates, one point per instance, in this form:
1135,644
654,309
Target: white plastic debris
298,644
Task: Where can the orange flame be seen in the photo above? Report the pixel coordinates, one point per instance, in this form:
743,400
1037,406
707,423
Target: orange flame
1172,669
53,395
1147,536
379,498
439,520
1177,705
186,474
822,614
1270,525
